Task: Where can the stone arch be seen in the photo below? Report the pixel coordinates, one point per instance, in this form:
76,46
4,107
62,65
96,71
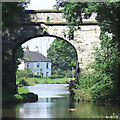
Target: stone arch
12,39
35,36
35,25
40,35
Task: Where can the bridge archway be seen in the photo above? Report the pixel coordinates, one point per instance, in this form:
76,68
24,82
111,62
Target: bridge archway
10,67
52,36
35,25
40,36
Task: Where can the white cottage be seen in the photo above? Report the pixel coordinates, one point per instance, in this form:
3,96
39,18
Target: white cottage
38,63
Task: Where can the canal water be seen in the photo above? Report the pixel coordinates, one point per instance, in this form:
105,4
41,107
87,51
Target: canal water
54,102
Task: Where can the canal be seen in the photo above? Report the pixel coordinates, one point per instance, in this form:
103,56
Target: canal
54,102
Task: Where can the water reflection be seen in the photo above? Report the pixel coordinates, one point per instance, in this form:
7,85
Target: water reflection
56,104
45,108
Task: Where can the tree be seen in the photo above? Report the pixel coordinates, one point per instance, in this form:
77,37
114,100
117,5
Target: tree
9,11
109,53
63,56
107,63
18,56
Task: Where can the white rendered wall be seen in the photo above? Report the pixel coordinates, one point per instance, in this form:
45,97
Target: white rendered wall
21,66
42,65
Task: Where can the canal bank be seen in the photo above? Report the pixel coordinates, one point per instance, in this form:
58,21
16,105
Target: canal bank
19,97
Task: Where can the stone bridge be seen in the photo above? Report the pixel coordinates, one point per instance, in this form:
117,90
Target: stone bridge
51,23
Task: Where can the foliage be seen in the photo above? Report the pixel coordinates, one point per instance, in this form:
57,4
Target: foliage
23,95
48,18
56,76
51,81
113,116
98,86
63,57
18,56
22,90
108,56
73,15
11,10
24,73
21,82
24,81
103,83
82,96
27,97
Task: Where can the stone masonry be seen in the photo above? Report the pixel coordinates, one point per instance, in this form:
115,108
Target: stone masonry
37,24
84,39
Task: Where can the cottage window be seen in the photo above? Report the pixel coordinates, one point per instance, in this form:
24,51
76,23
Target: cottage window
38,65
40,70
27,65
37,73
47,65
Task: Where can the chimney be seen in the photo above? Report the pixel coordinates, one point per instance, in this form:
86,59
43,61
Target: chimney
27,48
36,49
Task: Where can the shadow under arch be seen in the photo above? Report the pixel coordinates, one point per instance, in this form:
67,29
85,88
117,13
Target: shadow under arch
36,36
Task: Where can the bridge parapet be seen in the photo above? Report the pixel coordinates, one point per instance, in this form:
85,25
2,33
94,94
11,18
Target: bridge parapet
53,17
46,16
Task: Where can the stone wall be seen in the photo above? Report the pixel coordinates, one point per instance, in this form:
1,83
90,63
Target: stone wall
84,39
35,24
54,16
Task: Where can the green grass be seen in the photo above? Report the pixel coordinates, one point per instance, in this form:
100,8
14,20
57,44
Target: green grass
23,95
25,81
51,81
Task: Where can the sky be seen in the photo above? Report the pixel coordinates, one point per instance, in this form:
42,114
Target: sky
43,43
41,4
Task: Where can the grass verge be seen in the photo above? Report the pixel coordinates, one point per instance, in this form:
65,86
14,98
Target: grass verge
26,81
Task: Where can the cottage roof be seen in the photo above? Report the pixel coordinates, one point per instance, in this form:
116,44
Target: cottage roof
35,57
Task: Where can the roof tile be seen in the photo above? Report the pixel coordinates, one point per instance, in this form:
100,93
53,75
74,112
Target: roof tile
35,57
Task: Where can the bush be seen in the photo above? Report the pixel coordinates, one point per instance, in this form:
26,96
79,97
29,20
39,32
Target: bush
37,76
103,90
24,73
99,85
69,74
23,96
55,76
60,76
22,90
24,81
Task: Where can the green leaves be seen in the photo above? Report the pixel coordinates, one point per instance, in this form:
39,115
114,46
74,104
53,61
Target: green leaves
19,55
9,11
104,82
63,56
73,15
24,73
